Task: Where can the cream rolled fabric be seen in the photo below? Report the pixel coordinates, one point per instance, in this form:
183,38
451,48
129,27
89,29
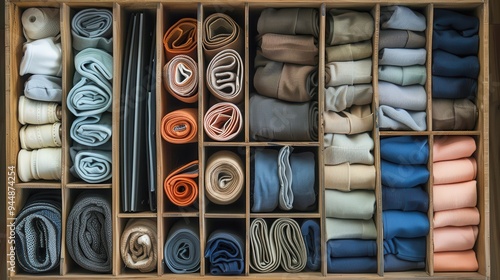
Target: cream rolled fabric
224,177
295,49
287,236
455,171
348,72
225,76
409,97
138,245
347,177
402,57
33,165
264,254
39,23
453,147
340,148
455,238
339,98
40,136
221,32
349,52
457,217
453,196
350,229
356,204
43,57
356,119
223,121
38,112
180,78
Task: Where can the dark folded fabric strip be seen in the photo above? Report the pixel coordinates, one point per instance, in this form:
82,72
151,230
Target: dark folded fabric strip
449,65
351,248
311,232
89,232
291,21
393,263
453,87
405,224
38,231
392,38
352,265
403,175
453,114
408,249
182,248
225,253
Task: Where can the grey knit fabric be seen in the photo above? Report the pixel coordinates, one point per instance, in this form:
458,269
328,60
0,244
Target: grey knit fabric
89,235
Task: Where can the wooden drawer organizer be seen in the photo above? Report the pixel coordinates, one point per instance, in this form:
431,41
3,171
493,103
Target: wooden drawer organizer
208,216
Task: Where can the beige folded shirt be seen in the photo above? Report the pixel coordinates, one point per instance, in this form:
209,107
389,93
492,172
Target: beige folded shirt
347,177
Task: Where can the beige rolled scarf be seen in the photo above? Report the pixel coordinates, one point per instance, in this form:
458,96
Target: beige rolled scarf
221,32
347,177
180,78
355,120
138,245
224,177
225,76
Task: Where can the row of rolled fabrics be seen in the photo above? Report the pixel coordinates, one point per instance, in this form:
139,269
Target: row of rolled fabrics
404,175
349,164
456,217
455,69
90,97
39,108
402,71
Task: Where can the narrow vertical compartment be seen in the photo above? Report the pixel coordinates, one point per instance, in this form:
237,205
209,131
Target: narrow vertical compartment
224,241
90,95
43,206
35,137
181,255
349,141
138,249
89,210
430,213
223,90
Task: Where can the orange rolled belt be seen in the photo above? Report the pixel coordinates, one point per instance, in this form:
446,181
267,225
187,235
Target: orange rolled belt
181,38
180,126
180,186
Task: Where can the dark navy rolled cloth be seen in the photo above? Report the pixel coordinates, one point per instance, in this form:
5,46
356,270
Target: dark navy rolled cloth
265,181
393,263
405,149
405,224
449,65
182,248
225,253
445,19
352,265
405,199
38,233
403,175
303,172
312,237
351,248
408,249
453,87
451,41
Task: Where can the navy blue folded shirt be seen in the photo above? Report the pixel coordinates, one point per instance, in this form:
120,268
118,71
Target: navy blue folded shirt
453,87
393,263
455,32
352,265
405,199
349,248
449,65
405,224
408,249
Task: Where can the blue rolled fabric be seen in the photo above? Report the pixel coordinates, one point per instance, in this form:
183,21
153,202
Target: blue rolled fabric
182,248
408,249
303,174
453,87
393,263
38,231
405,224
405,199
352,265
91,164
403,175
225,253
405,149
351,248
265,184
93,130
445,19
449,65
312,237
